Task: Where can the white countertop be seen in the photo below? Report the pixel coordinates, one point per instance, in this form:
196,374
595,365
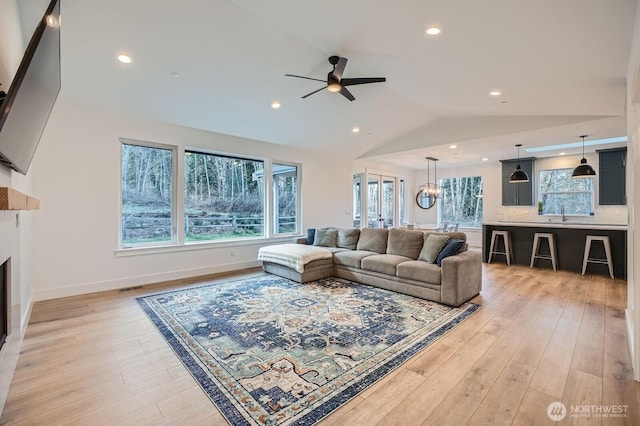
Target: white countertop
570,224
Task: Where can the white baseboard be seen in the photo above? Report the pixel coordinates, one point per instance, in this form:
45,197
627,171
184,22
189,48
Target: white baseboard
26,317
97,286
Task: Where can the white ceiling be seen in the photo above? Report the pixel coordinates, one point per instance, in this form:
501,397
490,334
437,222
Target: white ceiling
561,66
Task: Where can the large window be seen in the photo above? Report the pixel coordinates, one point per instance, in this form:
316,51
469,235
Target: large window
560,193
225,197
285,198
148,214
460,201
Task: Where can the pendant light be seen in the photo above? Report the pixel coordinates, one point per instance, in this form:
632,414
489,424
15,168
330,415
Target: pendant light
583,170
518,176
431,188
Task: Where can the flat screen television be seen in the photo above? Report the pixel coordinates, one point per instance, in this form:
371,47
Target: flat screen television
25,110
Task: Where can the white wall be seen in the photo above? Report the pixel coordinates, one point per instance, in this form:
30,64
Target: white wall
14,239
75,234
633,181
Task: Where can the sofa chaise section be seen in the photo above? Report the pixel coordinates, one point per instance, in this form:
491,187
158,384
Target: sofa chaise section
399,260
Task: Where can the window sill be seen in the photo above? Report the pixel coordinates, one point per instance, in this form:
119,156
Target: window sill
208,245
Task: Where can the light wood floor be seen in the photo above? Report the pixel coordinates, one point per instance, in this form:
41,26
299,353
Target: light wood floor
539,337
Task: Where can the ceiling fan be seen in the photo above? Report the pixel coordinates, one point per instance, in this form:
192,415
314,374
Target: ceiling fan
335,82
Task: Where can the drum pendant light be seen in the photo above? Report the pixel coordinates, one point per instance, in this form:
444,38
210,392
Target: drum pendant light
518,176
583,170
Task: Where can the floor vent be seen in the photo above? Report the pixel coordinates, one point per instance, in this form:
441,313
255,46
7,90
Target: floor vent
130,288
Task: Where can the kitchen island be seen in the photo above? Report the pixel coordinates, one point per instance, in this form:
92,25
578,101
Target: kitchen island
570,241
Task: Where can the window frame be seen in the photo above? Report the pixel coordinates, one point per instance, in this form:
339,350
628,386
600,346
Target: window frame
178,207
265,195
273,207
174,204
440,200
540,194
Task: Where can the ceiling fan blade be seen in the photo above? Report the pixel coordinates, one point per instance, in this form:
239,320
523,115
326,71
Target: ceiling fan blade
337,72
315,91
367,80
307,78
347,94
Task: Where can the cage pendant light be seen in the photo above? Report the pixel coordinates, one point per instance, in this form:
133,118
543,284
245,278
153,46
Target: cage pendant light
518,176
431,188
583,170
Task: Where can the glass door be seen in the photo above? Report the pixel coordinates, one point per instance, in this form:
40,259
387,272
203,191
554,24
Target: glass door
381,196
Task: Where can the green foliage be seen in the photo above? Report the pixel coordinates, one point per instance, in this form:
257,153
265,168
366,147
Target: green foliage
224,196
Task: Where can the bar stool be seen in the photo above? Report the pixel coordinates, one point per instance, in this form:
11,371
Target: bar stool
551,240
607,252
493,249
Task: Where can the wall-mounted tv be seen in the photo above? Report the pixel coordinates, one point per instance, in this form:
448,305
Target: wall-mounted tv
25,110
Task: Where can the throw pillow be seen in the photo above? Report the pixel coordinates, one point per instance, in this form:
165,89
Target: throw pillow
325,237
311,235
452,247
348,238
373,239
432,246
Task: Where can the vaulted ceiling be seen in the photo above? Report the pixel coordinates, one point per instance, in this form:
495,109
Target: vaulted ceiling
560,66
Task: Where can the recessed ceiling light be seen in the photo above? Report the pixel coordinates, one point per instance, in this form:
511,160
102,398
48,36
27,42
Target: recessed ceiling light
563,153
485,159
452,146
495,93
355,129
125,59
433,30
275,104
175,74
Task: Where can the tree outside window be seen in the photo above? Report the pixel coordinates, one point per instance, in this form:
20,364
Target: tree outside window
224,197
460,201
147,213
559,192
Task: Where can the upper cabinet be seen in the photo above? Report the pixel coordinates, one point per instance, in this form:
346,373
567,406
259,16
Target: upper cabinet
517,194
612,176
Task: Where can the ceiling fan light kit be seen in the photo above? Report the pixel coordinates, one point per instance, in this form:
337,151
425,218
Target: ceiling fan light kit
583,170
518,176
335,82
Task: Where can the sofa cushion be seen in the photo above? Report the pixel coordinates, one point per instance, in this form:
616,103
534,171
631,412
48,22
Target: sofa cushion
418,270
383,263
405,243
452,247
348,238
433,244
352,258
325,237
373,239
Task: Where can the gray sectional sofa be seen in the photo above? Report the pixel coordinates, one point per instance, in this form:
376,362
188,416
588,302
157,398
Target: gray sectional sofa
429,265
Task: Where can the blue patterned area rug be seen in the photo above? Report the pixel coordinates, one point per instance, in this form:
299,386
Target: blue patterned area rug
270,351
